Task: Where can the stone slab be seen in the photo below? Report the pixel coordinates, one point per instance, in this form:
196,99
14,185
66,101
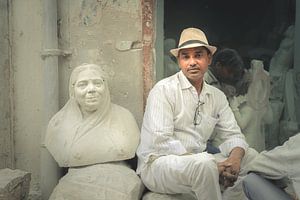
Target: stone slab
14,184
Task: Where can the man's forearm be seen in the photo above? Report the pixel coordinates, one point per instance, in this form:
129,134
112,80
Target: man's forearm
237,153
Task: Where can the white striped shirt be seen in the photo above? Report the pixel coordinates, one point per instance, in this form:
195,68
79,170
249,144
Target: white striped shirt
168,124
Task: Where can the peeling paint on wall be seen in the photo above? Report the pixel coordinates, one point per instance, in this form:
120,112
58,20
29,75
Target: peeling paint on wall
148,41
6,146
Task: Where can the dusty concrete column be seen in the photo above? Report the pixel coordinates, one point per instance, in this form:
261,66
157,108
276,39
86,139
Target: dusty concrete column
49,169
6,136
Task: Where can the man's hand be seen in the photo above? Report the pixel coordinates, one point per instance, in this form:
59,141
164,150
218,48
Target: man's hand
230,168
226,178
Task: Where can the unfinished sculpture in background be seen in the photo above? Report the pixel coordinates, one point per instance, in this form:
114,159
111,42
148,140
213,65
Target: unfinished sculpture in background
92,137
282,97
252,111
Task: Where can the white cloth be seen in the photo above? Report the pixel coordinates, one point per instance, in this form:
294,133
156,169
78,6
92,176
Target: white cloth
196,173
281,162
183,174
168,130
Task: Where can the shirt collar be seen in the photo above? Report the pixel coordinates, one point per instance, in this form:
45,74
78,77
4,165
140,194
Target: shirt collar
206,88
185,84
183,81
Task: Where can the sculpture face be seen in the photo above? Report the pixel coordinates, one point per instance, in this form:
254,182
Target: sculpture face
88,90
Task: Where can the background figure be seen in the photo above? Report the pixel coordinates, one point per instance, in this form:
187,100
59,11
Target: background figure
170,65
283,98
252,111
89,131
227,72
278,163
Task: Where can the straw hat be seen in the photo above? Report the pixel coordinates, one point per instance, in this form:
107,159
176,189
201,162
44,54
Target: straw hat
192,37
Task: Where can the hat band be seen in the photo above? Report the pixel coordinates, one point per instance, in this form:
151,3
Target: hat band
191,42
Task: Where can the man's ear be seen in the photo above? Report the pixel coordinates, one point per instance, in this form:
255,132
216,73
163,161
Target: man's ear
209,58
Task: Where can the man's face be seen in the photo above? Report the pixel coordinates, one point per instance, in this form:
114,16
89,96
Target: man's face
88,90
194,62
228,76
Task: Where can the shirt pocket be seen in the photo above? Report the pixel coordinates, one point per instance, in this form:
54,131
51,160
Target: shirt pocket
206,126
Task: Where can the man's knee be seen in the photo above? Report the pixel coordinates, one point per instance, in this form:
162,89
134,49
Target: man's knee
205,161
204,166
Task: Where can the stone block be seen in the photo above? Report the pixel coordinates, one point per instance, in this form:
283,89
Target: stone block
14,184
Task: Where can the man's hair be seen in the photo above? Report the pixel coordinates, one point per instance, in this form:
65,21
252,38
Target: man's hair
228,58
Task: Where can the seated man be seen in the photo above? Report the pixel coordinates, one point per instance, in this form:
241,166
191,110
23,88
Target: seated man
181,114
281,162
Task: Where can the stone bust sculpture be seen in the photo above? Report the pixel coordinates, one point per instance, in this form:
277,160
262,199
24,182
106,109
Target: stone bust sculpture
90,129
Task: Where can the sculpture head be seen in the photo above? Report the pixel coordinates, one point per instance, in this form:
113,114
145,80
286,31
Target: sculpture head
88,88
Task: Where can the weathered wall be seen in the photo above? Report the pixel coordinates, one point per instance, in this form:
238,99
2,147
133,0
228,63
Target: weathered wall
104,32
6,148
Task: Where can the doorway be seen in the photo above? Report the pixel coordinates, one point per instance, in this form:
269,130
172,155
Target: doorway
256,29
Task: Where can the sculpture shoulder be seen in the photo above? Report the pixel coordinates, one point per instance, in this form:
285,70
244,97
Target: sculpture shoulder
123,115
64,113
56,119
120,110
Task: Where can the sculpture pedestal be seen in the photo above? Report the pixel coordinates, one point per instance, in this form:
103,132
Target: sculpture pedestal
109,181
157,196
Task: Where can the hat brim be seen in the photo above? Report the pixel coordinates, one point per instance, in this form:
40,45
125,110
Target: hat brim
212,49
